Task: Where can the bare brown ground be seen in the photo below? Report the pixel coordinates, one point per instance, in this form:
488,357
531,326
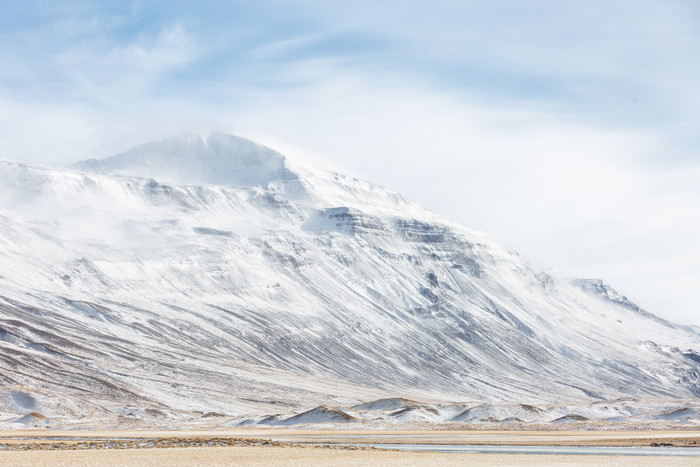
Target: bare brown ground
528,438
275,456
482,437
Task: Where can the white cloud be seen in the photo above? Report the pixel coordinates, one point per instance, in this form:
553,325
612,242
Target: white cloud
107,72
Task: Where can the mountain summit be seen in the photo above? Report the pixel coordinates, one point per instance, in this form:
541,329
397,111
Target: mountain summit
204,274
214,159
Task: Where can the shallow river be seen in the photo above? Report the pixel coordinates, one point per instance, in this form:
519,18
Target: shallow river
571,450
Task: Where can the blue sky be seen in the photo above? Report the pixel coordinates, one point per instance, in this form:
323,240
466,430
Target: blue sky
567,129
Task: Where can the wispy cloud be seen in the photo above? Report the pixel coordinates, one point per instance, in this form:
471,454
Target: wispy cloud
280,48
109,72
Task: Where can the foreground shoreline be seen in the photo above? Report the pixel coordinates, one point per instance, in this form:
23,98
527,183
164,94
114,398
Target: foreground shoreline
287,447
149,438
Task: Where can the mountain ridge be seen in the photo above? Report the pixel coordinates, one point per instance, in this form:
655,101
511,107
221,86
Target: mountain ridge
299,290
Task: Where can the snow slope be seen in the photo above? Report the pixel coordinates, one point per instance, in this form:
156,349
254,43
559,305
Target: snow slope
210,273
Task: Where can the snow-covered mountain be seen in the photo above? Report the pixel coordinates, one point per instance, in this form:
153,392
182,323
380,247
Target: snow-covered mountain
215,274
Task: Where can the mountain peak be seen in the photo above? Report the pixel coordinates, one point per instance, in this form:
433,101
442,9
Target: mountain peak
232,161
213,158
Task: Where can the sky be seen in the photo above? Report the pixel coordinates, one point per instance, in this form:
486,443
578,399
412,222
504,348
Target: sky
568,130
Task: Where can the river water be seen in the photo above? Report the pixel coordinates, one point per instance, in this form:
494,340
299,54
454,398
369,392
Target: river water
562,450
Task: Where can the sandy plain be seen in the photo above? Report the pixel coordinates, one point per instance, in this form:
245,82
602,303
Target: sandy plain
280,456
285,447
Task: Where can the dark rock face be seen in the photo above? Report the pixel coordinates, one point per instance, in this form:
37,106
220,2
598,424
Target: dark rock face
354,222
422,232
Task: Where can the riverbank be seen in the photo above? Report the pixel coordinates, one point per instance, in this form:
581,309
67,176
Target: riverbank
281,456
337,447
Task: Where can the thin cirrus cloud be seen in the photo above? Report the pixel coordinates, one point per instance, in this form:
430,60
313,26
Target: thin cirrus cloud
106,73
566,129
165,51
